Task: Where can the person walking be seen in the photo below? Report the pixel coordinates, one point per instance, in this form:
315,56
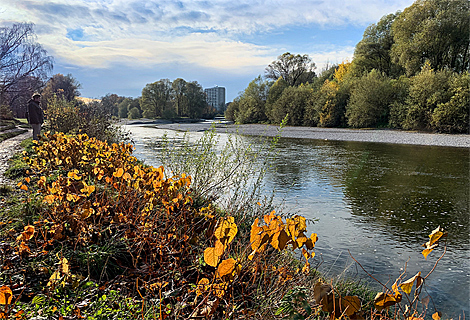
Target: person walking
35,115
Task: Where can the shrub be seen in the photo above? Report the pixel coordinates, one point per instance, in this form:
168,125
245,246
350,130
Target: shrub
453,116
370,101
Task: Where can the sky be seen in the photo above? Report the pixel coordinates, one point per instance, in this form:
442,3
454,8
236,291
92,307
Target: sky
119,46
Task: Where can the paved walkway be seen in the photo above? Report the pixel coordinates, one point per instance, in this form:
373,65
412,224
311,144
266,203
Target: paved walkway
7,149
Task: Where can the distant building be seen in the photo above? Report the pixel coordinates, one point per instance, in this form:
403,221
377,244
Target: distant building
216,97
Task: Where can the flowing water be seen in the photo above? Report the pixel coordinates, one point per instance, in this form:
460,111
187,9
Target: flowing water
377,203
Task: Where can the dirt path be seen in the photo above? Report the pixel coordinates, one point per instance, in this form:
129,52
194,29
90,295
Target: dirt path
7,149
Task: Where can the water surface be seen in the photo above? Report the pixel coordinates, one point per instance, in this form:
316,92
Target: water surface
377,202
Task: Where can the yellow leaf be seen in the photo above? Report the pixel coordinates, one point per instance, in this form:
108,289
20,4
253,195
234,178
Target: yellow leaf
427,251
226,267
49,198
310,243
64,266
118,173
280,240
53,279
408,284
226,229
384,300
267,218
73,175
435,235
6,295
202,286
126,176
437,315
211,257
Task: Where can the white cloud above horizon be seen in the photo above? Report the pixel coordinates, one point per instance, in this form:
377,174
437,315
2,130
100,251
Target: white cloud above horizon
225,37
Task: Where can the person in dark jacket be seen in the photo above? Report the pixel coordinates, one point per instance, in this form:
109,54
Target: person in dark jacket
35,115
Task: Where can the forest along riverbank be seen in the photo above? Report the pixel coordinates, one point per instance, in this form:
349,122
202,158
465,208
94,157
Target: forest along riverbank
335,134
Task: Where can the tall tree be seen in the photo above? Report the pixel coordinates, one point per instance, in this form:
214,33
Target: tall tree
437,31
21,59
156,98
195,100
373,51
180,101
294,69
65,87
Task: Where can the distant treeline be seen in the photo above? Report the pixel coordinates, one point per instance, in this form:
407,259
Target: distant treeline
410,71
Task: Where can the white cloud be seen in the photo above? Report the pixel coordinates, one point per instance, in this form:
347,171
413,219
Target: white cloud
205,33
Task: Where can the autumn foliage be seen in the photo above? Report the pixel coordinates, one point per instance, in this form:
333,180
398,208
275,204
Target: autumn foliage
172,256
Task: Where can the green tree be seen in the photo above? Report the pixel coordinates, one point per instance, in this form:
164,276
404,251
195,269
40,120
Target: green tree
180,100
453,116
251,105
195,101
373,51
437,31
64,87
293,101
294,69
428,89
275,92
156,99
134,113
232,109
370,100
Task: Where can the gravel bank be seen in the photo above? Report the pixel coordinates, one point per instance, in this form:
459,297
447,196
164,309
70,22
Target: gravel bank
362,135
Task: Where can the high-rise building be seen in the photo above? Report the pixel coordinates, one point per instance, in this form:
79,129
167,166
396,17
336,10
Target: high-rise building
216,97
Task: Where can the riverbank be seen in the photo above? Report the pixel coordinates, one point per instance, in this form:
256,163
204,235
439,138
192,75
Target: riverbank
315,133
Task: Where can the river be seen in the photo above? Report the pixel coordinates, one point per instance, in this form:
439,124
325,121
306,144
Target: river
377,202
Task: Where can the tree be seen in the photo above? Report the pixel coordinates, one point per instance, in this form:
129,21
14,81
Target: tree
179,96
294,69
453,116
292,101
275,92
251,105
373,51
437,31
64,87
24,64
369,104
427,90
156,99
195,101
110,102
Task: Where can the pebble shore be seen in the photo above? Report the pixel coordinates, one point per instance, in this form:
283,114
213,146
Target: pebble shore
339,134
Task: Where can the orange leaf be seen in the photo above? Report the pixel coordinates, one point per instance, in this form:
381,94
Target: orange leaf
5,295
280,240
49,199
437,315
27,233
226,267
118,173
211,257
202,286
24,187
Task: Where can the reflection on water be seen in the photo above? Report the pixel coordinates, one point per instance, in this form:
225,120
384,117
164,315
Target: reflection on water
380,202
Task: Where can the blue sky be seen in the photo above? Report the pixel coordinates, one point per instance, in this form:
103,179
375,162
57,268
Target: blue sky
118,46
